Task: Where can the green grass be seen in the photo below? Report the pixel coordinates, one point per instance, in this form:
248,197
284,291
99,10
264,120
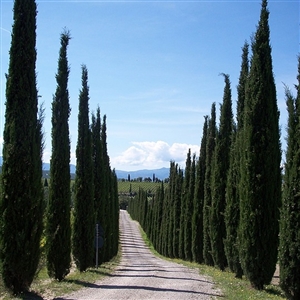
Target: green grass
231,287
124,186
44,287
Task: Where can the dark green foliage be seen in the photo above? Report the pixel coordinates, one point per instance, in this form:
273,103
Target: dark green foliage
58,227
164,228
197,219
114,213
241,89
97,162
232,209
219,178
261,175
170,224
289,250
187,198
158,202
21,206
108,206
181,253
210,148
84,220
98,169
176,194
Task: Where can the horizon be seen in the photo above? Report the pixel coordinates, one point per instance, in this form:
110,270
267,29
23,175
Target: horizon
153,68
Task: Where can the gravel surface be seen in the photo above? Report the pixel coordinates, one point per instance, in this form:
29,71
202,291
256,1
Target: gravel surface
141,275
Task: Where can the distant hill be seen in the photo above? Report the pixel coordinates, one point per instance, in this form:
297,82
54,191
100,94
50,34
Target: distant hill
159,173
46,167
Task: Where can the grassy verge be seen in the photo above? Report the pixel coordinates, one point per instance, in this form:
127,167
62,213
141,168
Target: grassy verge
231,287
45,288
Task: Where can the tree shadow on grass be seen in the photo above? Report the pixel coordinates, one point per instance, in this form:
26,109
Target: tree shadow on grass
30,295
276,291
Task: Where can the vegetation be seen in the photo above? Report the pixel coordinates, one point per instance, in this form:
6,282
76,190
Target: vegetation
210,148
132,187
232,208
219,178
223,209
26,199
261,157
109,217
289,250
21,206
197,219
58,227
84,222
242,181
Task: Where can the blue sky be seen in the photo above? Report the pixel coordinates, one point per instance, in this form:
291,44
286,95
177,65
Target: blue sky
153,67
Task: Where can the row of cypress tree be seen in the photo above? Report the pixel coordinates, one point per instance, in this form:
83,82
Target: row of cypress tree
224,209
70,227
289,246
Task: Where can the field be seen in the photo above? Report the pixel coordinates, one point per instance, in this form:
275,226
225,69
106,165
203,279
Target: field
125,187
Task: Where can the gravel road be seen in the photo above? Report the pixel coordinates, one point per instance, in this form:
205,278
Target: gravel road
141,275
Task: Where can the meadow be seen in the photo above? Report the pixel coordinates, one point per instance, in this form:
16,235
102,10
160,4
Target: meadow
127,187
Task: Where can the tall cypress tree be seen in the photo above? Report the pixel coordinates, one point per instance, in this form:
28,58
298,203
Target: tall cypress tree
22,191
181,253
187,203
97,166
232,210
210,148
105,190
177,210
58,227
115,213
197,219
261,174
219,178
97,160
289,250
83,230
171,190
170,193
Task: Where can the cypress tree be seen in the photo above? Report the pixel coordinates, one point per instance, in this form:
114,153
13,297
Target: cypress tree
191,166
58,227
115,213
261,174
97,162
164,232
210,148
84,221
181,253
97,167
232,209
170,192
21,206
219,178
177,209
157,220
289,250
197,219
106,197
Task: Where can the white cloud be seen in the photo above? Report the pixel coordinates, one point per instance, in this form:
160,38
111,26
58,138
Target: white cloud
152,155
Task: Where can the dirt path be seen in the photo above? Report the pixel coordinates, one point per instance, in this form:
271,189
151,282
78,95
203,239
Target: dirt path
141,275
